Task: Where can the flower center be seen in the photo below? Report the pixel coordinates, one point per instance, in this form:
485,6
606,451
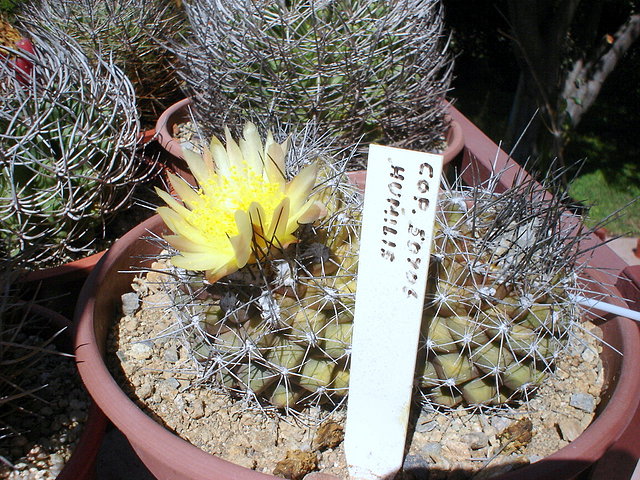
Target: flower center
222,195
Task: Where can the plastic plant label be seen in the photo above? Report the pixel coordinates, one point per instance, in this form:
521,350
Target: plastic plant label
397,230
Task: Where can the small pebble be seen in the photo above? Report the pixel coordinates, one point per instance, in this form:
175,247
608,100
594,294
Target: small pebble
476,440
589,355
171,354
583,401
145,390
500,423
198,410
415,465
130,303
570,429
432,450
140,351
454,449
423,427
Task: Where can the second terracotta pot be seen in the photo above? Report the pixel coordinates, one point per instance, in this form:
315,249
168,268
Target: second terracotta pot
180,113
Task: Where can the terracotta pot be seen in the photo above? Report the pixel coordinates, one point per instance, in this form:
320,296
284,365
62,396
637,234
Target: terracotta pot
146,136
58,287
179,113
169,457
82,463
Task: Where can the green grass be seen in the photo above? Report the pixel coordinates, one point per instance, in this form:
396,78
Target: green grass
604,196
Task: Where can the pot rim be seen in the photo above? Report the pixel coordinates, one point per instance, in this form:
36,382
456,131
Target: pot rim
454,135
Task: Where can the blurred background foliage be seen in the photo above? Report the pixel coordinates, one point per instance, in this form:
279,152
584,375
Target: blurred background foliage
602,152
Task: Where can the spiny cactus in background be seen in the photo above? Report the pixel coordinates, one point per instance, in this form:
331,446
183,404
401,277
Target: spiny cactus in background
276,324
124,30
376,70
68,151
499,306
281,249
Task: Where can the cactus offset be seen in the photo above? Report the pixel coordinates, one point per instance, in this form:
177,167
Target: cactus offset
371,70
499,308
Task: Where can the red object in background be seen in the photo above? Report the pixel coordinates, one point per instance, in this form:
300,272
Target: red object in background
602,233
636,251
22,65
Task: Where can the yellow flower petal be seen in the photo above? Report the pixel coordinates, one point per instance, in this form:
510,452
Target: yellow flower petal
300,187
196,165
183,190
242,242
216,274
219,154
311,212
183,244
278,224
180,226
197,261
274,165
233,150
172,202
257,215
243,207
251,147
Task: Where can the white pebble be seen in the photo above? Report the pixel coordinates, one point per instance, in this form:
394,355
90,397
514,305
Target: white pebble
140,351
570,429
583,401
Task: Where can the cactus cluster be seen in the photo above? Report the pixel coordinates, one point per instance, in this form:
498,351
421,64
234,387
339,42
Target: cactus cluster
371,70
68,152
127,32
276,327
499,306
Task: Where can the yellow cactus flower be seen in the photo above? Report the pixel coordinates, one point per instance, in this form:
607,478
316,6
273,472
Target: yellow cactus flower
243,207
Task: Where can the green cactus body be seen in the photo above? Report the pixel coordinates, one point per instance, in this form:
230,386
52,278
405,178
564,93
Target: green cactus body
496,316
128,31
280,330
349,66
67,159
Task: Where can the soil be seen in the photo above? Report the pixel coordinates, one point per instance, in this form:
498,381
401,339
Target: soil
155,370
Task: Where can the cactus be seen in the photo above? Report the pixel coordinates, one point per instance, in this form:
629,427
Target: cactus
499,306
374,70
124,30
273,292
8,34
274,322
67,157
